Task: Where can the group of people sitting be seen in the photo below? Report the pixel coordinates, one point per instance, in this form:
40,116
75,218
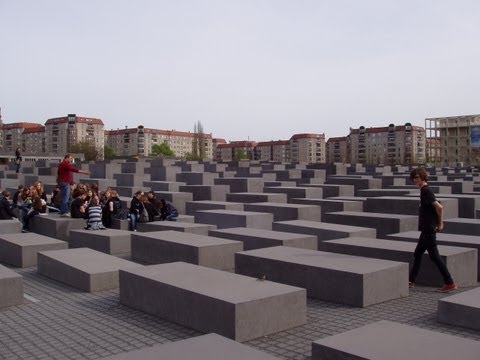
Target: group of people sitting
27,202
99,209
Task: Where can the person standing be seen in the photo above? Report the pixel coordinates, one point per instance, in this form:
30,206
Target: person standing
65,179
430,221
18,160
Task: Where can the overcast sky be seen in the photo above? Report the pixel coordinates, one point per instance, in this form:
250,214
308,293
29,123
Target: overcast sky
246,69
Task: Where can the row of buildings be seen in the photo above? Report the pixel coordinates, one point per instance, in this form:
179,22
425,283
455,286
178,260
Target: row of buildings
446,141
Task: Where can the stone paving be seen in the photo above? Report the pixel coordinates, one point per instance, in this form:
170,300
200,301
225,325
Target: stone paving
60,322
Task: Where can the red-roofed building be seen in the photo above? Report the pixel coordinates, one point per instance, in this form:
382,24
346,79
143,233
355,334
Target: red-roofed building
338,149
389,145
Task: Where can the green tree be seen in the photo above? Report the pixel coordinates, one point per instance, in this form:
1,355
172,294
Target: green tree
108,152
87,148
161,150
240,154
198,142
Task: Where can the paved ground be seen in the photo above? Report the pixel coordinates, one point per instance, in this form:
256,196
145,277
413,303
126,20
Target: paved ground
59,322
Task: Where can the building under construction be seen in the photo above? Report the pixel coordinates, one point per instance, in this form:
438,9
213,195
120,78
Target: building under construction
453,141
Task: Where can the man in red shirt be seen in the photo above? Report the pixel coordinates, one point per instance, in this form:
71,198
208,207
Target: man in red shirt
64,179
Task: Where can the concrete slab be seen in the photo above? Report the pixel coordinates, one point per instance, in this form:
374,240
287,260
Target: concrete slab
383,223
192,206
169,246
252,197
83,268
55,226
344,279
191,228
461,262
407,205
462,226
207,192
231,218
12,226
323,231
327,205
109,241
394,341
464,241
204,347
461,309
21,250
242,184
283,212
11,288
209,300
258,239
295,191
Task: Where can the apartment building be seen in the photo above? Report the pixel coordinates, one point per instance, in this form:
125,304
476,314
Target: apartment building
453,140
12,137
139,141
308,148
388,145
274,150
63,132
217,154
228,152
338,149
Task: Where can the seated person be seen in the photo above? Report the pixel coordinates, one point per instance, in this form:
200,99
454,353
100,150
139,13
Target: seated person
78,206
6,212
37,207
167,211
149,206
94,216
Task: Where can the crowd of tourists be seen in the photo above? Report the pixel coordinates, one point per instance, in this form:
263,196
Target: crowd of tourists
99,208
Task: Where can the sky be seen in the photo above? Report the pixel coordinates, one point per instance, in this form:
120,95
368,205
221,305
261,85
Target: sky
246,69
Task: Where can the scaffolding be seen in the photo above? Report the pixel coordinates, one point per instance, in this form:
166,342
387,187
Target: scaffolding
453,141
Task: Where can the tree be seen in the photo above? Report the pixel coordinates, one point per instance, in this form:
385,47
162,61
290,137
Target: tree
161,150
240,154
87,148
198,142
108,152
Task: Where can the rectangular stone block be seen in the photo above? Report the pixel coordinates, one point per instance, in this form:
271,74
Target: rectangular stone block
383,223
207,192
177,198
191,228
332,190
359,183
170,246
209,300
461,309
163,185
256,197
462,226
394,341
192,206
241,184
327,205
197,178
83,268
464,241
204,347
323,231
283,212
12,226
258,239
231,218
109,241
344,279
11,288
56,226
21,250
461,262
295,192
401,205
